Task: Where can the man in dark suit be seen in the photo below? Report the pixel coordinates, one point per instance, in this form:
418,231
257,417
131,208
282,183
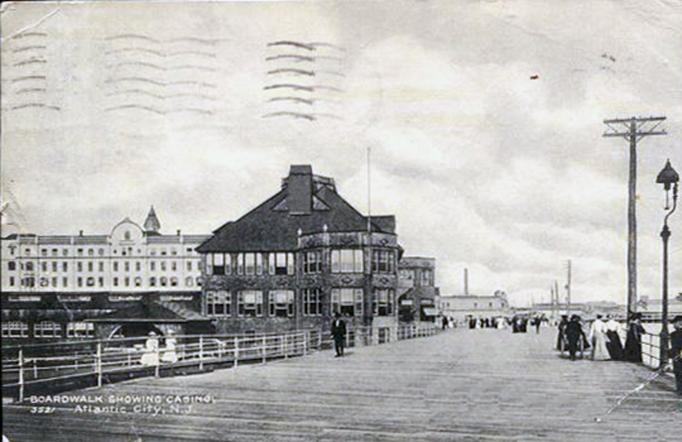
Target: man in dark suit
574,332
338,334
676,351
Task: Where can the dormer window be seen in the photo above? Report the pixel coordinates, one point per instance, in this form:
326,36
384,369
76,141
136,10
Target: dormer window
126,235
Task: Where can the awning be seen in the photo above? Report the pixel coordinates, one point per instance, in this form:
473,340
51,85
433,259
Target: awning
429,311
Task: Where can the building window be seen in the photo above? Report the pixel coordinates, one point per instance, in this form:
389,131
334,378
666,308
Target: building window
79,252
11,281
152,252
138,282
100,252
215,264
312,302
115,282
80,330
54,281
14,329
126,266
189,266
163,266
91,252
218,303
174,252
347,261
79,266
43,252
47,329
174,266
43,282
251,303
11,265
347,301
240,264
152,265
90,267
65,252
138,266
199,281
427,277
164,281
253,263
55,252
152,282
115,266
65,266
281,263
174,281
54,266
127,281
312,262
43,266
65,282
189,281
29,266
382,302
382,261
281,303
80,282
126,235
90,282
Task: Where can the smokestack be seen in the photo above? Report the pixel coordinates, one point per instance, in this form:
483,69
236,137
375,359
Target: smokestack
466,282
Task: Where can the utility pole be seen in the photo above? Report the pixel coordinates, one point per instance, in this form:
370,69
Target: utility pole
633,130
556,295
568,290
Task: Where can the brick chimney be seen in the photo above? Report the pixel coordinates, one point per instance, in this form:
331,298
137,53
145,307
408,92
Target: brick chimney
300,190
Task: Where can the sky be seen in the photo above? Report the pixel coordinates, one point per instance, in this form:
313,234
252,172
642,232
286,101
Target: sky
484,120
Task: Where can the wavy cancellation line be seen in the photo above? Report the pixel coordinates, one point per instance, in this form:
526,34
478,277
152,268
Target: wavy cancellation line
29,35
290,43
298,115
163,68
160,82
29,62
293,99
293,71
34,105
204,41
161,54
29,48
161,96
293,57
158,111
31,90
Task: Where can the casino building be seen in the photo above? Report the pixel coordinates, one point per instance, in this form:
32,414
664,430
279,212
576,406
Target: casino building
124,282
299,257
418,296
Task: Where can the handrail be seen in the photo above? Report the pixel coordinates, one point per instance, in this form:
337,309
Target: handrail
198,351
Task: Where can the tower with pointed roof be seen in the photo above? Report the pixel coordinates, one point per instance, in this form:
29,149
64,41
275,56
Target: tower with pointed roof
152,224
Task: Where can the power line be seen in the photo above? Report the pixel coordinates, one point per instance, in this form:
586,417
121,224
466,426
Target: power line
633,130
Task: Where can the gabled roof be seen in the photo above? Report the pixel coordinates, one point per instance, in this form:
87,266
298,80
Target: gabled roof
273,227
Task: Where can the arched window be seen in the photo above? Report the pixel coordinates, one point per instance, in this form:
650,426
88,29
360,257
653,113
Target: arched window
138,282
174,281
189,281
152,282
164,281
126,235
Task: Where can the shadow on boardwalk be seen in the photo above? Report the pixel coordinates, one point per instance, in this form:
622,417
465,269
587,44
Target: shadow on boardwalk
461,385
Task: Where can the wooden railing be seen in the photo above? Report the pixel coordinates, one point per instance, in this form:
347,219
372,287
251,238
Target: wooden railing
39,368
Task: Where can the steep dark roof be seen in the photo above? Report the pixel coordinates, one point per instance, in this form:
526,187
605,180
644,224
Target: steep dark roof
273,227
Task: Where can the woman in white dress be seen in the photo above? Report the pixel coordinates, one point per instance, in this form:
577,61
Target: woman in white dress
169,354
150,357
598,340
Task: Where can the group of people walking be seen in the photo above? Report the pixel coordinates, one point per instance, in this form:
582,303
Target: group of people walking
603,338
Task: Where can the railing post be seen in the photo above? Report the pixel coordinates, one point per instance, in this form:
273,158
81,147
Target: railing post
201,352
75,360
264,344
305,343
284,345
236,352
35,368
99,364
319,340
21,375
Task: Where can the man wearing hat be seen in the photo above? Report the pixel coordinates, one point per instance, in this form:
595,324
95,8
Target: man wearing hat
676,351
338,333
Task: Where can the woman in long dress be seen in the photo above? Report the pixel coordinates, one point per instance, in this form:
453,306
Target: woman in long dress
150,357
598,340
633,342
169,353
614,344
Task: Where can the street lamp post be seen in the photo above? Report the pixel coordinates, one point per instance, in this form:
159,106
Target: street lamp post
669,178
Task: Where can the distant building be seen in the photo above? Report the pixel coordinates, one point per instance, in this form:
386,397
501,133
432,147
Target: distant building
54,286
651,309
461,307
299,257
418,295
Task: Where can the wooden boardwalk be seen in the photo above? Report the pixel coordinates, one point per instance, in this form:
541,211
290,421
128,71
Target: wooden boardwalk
461,385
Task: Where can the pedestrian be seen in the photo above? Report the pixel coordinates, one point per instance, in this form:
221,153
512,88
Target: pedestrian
676,351
573,332
538,321
445,322
560,339
614,345
169,354
598,340
633,341
150,357
338,334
